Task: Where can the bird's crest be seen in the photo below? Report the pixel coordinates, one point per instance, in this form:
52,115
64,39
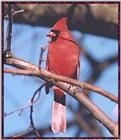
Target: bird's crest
61,24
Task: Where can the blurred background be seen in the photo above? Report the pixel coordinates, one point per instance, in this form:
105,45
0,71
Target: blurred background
97,35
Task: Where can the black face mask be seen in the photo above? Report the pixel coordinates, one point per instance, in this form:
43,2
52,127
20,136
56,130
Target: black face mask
57,32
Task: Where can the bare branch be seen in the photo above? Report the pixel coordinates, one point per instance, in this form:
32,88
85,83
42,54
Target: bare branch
33,70
43,49
29,104
44,73
15,13
9,31
97,112
85,19
31,110
41,131
19,11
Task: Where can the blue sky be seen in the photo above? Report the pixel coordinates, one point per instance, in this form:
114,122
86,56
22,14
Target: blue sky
26,44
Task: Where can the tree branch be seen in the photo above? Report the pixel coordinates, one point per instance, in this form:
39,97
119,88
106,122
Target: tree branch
91,20
21,109
31,110
41,54
44,73
57,80
9,31
97,112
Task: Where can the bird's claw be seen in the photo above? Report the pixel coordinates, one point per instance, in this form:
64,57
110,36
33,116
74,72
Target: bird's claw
48,86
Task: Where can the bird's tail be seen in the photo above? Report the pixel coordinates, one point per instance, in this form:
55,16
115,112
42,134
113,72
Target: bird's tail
58,122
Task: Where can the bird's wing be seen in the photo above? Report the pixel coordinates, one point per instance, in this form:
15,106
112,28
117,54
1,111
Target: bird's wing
48,85
78,71
47,62
77,76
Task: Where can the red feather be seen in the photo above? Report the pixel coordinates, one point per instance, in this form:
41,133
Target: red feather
63,59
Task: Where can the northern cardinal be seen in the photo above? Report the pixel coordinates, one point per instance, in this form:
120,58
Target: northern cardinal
63,59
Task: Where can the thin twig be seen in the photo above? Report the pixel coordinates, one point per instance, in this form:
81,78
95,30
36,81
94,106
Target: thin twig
42,131
15,13
41,54
18,135
31,110
21,109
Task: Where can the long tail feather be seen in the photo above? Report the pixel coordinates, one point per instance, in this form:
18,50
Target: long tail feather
58,123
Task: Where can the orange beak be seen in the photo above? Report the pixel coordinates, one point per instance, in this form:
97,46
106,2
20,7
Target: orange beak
51,34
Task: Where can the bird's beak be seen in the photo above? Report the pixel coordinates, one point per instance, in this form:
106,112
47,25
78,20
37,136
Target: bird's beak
51,34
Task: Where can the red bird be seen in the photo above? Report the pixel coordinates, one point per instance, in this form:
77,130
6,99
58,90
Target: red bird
63,59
